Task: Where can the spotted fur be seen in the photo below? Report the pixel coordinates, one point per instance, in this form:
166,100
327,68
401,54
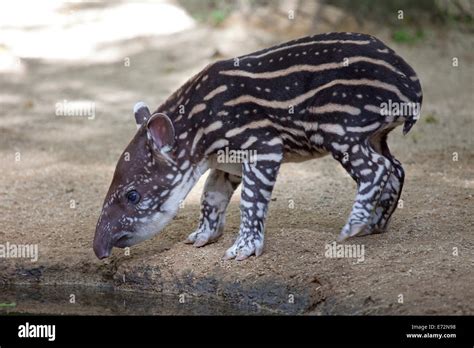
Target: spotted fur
319,95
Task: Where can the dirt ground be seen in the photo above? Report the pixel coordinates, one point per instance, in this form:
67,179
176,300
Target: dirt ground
423,265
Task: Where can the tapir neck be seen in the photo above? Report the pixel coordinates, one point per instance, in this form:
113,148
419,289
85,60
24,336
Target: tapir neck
195,116
188,181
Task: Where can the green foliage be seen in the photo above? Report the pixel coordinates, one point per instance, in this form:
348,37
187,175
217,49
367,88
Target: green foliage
430,118
407,36
212,12
6,305
386,12
218,16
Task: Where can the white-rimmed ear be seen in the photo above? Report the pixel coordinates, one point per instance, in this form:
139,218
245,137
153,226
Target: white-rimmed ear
161,132
141,112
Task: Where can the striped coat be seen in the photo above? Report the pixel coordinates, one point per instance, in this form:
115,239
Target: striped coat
336,93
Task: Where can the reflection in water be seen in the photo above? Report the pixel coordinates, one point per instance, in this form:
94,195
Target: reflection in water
87,300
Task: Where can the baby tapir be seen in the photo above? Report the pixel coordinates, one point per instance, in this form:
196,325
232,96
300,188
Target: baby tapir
336,93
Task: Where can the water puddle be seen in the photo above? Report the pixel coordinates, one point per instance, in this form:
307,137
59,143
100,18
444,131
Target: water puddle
89,300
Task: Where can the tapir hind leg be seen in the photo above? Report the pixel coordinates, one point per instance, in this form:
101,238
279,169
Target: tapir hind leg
371,170
391,193
218,190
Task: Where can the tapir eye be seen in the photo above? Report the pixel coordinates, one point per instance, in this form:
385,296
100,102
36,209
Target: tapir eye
133,197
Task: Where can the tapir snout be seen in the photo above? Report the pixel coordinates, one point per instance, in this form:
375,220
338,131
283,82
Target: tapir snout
102,244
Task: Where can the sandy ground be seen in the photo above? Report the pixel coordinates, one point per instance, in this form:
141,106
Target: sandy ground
424,265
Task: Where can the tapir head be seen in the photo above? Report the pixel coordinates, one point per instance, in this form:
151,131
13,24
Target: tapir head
147,186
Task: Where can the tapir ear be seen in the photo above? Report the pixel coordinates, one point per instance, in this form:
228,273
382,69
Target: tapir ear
161,131
142,113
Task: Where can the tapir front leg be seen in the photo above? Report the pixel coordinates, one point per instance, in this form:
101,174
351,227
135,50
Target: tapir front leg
218,190
257,185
